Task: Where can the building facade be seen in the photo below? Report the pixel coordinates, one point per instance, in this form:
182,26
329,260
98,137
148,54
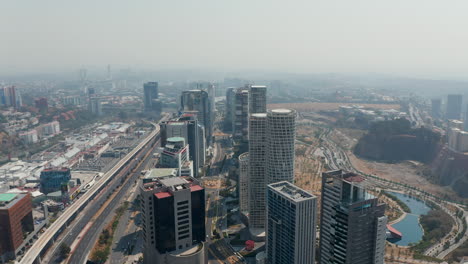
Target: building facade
436,108
29,137
198,100
176,155
41,104
95,106
466,118
292,221
52,179
243,186
187,127
230,105
15,220
10,97
454,106
173,213
353,222
257,99
281,136
257,180
150,93
240,125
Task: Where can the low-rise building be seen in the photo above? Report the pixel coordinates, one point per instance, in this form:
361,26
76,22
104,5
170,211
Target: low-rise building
29,137
458,140
52,179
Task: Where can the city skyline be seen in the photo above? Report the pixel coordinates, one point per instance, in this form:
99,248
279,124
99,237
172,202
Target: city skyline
240,132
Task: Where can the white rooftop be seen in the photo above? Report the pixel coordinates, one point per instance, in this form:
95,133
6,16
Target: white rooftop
173,181
291,191
282,111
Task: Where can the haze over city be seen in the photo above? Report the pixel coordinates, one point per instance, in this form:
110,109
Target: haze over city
234,132
408,38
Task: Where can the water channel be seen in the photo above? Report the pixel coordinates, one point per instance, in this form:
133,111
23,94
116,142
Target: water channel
409,226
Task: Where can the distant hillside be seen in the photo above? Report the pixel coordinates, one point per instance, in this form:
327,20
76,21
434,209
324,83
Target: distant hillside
395,140
451,169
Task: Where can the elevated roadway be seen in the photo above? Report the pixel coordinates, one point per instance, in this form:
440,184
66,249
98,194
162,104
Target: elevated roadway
40,247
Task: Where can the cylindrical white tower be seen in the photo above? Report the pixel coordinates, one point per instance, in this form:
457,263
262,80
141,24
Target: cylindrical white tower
281,134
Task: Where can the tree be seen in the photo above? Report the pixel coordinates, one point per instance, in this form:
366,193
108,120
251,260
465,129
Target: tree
64,251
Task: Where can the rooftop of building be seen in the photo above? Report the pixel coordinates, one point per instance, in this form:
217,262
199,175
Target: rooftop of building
176,123
176,139
164,182
173,181
159,173
58,169
455,121
291,191
282,111
7,197
7,200
350,178
259,115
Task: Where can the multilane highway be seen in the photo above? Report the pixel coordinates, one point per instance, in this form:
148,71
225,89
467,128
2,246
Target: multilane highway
80,252
39,248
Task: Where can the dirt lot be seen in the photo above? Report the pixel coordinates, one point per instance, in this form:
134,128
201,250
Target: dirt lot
307,107
214,184
404,172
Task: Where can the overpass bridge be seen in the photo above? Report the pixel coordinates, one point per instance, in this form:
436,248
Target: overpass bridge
123,167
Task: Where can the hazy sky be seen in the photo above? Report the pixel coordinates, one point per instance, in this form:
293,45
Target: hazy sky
393,36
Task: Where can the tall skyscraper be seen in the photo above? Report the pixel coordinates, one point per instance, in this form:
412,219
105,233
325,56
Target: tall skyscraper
2,97
188,128
173,212
436,108
466,118
257,180
41,104
353,222
91,91
198,100
292,221
10,97
95,106
454,106
240,126
243,186
257,99
281,136
230,109
211,90
196,135
150,93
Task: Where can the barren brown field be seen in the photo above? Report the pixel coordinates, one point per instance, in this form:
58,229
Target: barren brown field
214,183
314,106
404,172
